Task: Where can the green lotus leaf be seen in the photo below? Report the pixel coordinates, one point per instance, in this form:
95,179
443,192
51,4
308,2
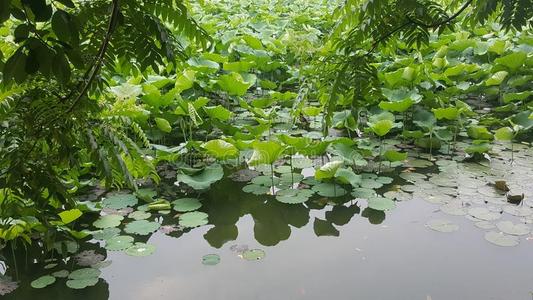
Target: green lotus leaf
119,201
235,84
84,273
509,227
163,125
141,227
511,97
220,149
393,155
497,78
202,65
504,134
218,112
348,176
210,259
502,239
398,106
381,127
146,194
327,189
478,146
479,133
448,113
253,254
186,204
380,203
328,170
293,196
139,215
43,282
256,189
265,152
61,274
118,243
512,61
442,225
106,233
108,221
140,249
203,179
81,283
193,219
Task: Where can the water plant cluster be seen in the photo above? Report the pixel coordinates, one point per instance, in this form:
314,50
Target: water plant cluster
253,96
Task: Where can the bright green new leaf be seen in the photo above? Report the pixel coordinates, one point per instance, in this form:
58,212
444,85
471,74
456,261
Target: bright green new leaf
382,127
393,155
497,78
218,112
504,134
69,216
235,84
448,113
328,170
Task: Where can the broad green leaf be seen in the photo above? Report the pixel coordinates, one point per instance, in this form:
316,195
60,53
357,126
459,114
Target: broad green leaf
479,133
448,113
348,176
69,216
381,127
393,155
203,179
220,149
235,84
504,134
328,170
265,152
512,61
218,112
497,78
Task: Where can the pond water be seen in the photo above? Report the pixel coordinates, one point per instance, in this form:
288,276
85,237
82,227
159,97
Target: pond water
333,248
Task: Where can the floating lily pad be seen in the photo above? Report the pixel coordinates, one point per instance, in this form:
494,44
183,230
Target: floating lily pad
253,254
442,225
380,203
210,259
84,273
193,219
43,282
186,204
79,284
293,196
256,189
363,193
61,274
119,243
513,229
139,215
453,209
108,221
265,180
502,239
519,211
141,227
370,184
119,201
483,213
140,249
327,189
203,179
106,233
484,225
